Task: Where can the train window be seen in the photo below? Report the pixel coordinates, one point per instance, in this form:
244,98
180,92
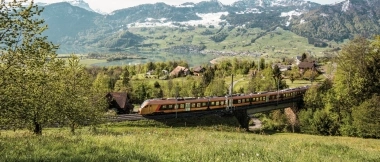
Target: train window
181,106
242,100
204,104
193,105
170,106
198,104
187,108
212,103
217,103
221,102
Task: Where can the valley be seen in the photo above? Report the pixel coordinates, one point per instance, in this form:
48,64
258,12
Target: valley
271,29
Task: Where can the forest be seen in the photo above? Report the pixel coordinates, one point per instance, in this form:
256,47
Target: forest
38,89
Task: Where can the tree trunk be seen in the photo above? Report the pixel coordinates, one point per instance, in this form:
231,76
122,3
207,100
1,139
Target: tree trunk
72,128
37,128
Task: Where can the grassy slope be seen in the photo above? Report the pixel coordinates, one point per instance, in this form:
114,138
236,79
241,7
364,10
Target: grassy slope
272,46
277,44
202,139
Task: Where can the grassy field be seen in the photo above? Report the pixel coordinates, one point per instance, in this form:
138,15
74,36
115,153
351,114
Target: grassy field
210,138
272,46
275,44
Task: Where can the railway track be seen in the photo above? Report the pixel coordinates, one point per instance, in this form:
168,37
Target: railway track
135,117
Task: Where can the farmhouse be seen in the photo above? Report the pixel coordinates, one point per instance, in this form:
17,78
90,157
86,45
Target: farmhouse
180,71
303,66
198,70
120,102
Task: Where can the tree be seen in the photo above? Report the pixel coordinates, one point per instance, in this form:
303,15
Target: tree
356,78
262,64
216,88
303,57
277,75
29,68
170,87
292,78
79,103
366,118
208,76
102,83
125,77
141,93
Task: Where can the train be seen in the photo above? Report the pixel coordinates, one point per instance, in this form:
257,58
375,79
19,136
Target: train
189,104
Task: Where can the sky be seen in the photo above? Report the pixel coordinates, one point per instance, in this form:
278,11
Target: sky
111,5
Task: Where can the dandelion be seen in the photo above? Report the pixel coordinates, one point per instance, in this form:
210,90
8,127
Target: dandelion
257,154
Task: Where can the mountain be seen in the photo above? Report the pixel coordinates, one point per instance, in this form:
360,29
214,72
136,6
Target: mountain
340,21
66,21
275,3
75,25
77,3
81,4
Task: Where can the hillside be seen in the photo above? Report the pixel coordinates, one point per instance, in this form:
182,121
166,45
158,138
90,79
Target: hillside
341,21
85,31
182,140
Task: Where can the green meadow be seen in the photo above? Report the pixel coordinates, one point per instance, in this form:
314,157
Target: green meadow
209,138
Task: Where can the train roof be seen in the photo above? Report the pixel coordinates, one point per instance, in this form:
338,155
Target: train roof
205,99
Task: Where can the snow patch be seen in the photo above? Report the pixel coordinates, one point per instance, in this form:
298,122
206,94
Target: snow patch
302,21
290,15
184,6
346,6
324,15
207,19
249,10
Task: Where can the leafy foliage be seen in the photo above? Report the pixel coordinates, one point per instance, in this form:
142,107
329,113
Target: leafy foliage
36,88
349,105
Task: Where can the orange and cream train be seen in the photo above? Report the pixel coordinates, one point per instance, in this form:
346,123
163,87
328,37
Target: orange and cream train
172,105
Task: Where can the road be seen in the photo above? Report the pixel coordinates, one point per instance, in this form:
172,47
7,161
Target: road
258,124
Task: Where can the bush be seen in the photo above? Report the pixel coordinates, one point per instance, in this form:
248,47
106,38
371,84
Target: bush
366,118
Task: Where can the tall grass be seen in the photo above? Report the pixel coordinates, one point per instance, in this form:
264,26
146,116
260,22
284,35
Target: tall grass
173,140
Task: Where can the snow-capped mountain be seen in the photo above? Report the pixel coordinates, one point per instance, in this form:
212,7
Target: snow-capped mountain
81,4
338,21
274,3
78,3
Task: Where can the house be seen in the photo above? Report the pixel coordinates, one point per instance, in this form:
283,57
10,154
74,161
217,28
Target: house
282,67
180,71
298,60
198,70
120,102
149,73
303,66
165,72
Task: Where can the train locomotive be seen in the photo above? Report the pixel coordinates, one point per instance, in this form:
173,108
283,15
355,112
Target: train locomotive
189,104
